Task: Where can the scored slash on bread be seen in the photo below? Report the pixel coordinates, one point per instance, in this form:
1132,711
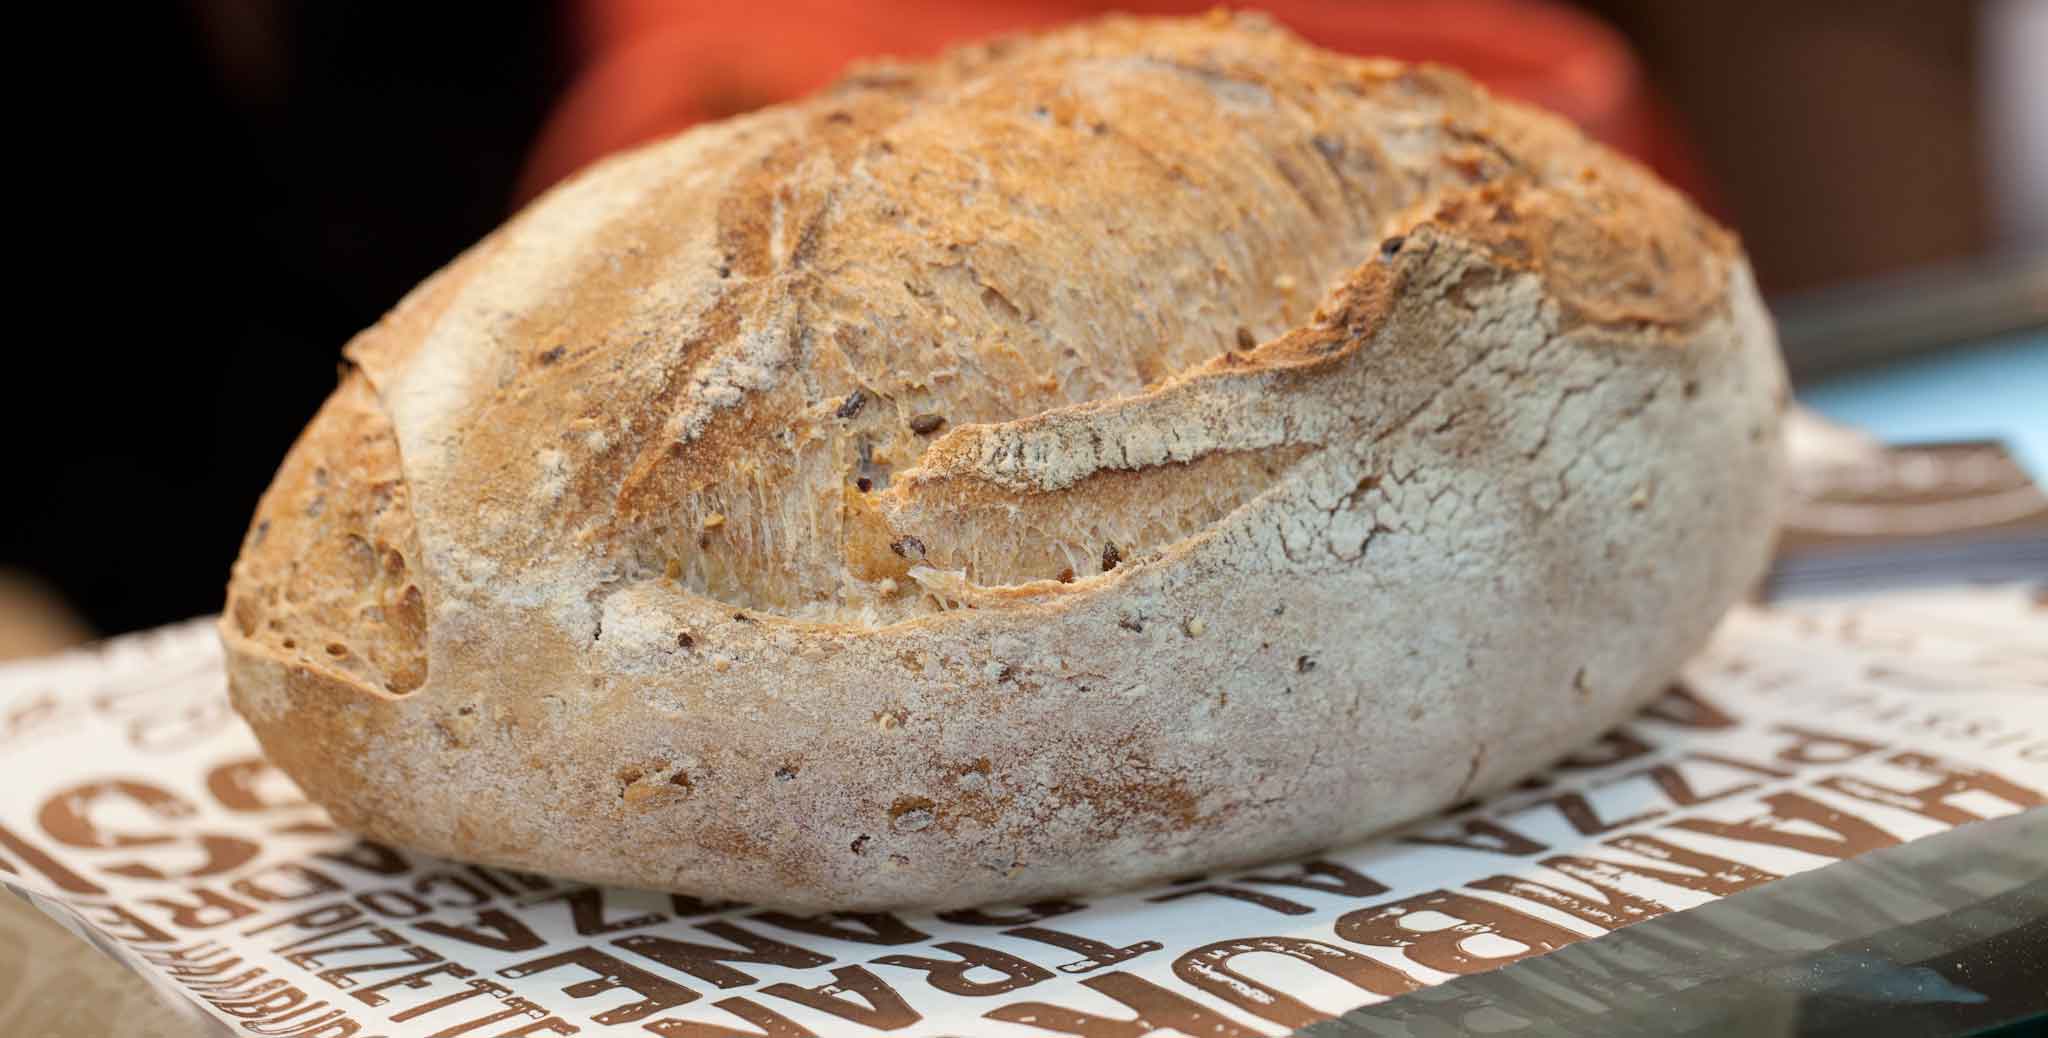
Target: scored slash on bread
1131,450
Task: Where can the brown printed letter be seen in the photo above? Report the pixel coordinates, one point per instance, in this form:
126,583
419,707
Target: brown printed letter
707,962
586,912
1932,800
494,929
767,1023
1705,872
69,817
1327,877
878,1005
1156,1009
1095,954
1478,834
1812,747
1846,836
1208,968
950,975
1444,949
655,993
857,927
1035,912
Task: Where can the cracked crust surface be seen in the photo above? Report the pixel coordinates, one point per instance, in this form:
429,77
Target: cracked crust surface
1089,457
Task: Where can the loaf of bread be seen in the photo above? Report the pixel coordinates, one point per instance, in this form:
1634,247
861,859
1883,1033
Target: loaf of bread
1091,457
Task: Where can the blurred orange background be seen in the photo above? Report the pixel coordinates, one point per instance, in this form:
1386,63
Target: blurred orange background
652,67
258,180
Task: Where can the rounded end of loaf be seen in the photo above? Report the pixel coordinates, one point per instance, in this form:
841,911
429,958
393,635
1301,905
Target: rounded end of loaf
848,542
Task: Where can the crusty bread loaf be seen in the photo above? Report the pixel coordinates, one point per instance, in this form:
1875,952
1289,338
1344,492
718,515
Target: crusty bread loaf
1090,457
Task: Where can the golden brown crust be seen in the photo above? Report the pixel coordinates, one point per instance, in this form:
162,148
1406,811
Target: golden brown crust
326,575
1027,469
1615,245
981,255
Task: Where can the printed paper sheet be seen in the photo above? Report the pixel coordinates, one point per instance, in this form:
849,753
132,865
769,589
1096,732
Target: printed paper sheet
135,805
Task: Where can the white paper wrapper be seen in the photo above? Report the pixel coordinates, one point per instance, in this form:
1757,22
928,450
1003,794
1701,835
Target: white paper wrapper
135,805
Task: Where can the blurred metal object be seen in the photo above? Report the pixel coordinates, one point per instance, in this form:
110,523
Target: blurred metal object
1835,329
1862,517
1938,563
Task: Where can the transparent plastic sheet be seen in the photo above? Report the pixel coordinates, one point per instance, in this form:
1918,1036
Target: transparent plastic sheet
1807,733
1945,935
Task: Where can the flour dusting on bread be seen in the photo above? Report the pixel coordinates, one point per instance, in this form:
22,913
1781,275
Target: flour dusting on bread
1054,400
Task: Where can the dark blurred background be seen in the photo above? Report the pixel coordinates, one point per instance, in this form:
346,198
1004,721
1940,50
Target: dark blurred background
280,173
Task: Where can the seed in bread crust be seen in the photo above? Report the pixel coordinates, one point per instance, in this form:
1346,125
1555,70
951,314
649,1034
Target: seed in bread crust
911,814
